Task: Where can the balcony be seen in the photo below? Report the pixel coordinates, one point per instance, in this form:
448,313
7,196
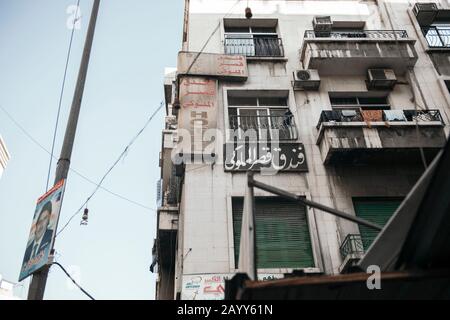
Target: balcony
437,38
352,250
272,127
353,52
379,136
262,47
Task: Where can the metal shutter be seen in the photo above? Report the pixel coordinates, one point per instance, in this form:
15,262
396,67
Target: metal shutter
375,210
282,233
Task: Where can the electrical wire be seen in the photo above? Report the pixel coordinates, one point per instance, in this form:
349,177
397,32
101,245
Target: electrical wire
32,139
75,283
61,94
124,152
210,36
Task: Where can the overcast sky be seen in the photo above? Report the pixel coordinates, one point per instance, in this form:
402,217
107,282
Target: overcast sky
134,41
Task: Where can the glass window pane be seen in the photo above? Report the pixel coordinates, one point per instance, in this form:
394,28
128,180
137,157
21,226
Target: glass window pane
373,100
242,101
273,102
237,29
264,30
343,101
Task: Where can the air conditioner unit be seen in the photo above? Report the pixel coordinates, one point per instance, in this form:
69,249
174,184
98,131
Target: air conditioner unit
381,78
322,24
425,13
306,80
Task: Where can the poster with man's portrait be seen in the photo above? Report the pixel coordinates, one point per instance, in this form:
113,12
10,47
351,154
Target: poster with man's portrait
42,230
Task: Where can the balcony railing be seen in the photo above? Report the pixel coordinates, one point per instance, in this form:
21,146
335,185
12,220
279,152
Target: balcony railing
385,115
358,34
254,47
353,244
437,37
267,127
173,190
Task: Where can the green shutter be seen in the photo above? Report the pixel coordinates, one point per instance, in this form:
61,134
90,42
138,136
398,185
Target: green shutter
282,233
375,210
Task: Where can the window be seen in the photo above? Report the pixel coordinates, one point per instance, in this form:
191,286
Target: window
282,233
376,210
447,85
269,117
257,41
357,102
437,35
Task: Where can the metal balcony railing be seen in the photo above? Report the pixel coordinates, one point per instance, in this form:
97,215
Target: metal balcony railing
437,37
254,47
353,244
267,127
357,116
358,34
173,190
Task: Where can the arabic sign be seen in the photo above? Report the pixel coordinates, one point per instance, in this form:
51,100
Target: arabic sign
212,286
198,100
42,231
231,67
279,156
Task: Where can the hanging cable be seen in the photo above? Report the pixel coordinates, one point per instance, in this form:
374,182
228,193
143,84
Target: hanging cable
210,36
124,152
61,94
37,143
74,282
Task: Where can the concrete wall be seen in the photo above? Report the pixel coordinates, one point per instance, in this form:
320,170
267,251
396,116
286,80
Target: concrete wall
205,242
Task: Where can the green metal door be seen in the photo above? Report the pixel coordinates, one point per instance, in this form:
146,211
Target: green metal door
376,210
282,233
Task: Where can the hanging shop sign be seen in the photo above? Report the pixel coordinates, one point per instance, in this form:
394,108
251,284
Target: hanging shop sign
227,67
198,111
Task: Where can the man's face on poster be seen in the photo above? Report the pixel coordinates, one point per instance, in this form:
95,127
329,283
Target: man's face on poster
42,224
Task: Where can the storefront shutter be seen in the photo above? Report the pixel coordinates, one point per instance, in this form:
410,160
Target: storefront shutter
375,210
282,233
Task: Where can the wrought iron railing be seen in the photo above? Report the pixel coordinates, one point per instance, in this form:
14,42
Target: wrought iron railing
358,34
357,116
437,37
254,47
353,244
173,190
280,127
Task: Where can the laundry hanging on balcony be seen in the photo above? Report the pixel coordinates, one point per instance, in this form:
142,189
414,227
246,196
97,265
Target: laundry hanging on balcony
372,116
394,115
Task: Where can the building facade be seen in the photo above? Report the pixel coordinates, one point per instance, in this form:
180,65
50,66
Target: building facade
7,290
342,102
4,156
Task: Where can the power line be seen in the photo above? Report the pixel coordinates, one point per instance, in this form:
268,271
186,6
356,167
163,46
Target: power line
68,275
29,136
210,36
124,152
61,96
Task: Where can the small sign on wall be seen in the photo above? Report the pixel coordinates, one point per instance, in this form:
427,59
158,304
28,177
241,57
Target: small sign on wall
212,286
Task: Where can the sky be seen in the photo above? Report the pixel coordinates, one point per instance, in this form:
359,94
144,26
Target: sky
134,41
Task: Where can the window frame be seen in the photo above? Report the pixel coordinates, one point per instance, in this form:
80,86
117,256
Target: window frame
358,105
312,226
260,107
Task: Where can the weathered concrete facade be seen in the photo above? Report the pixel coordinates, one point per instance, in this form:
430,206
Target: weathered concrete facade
345,160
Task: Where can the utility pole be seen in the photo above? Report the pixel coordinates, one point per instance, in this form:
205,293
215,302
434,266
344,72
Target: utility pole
37,286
